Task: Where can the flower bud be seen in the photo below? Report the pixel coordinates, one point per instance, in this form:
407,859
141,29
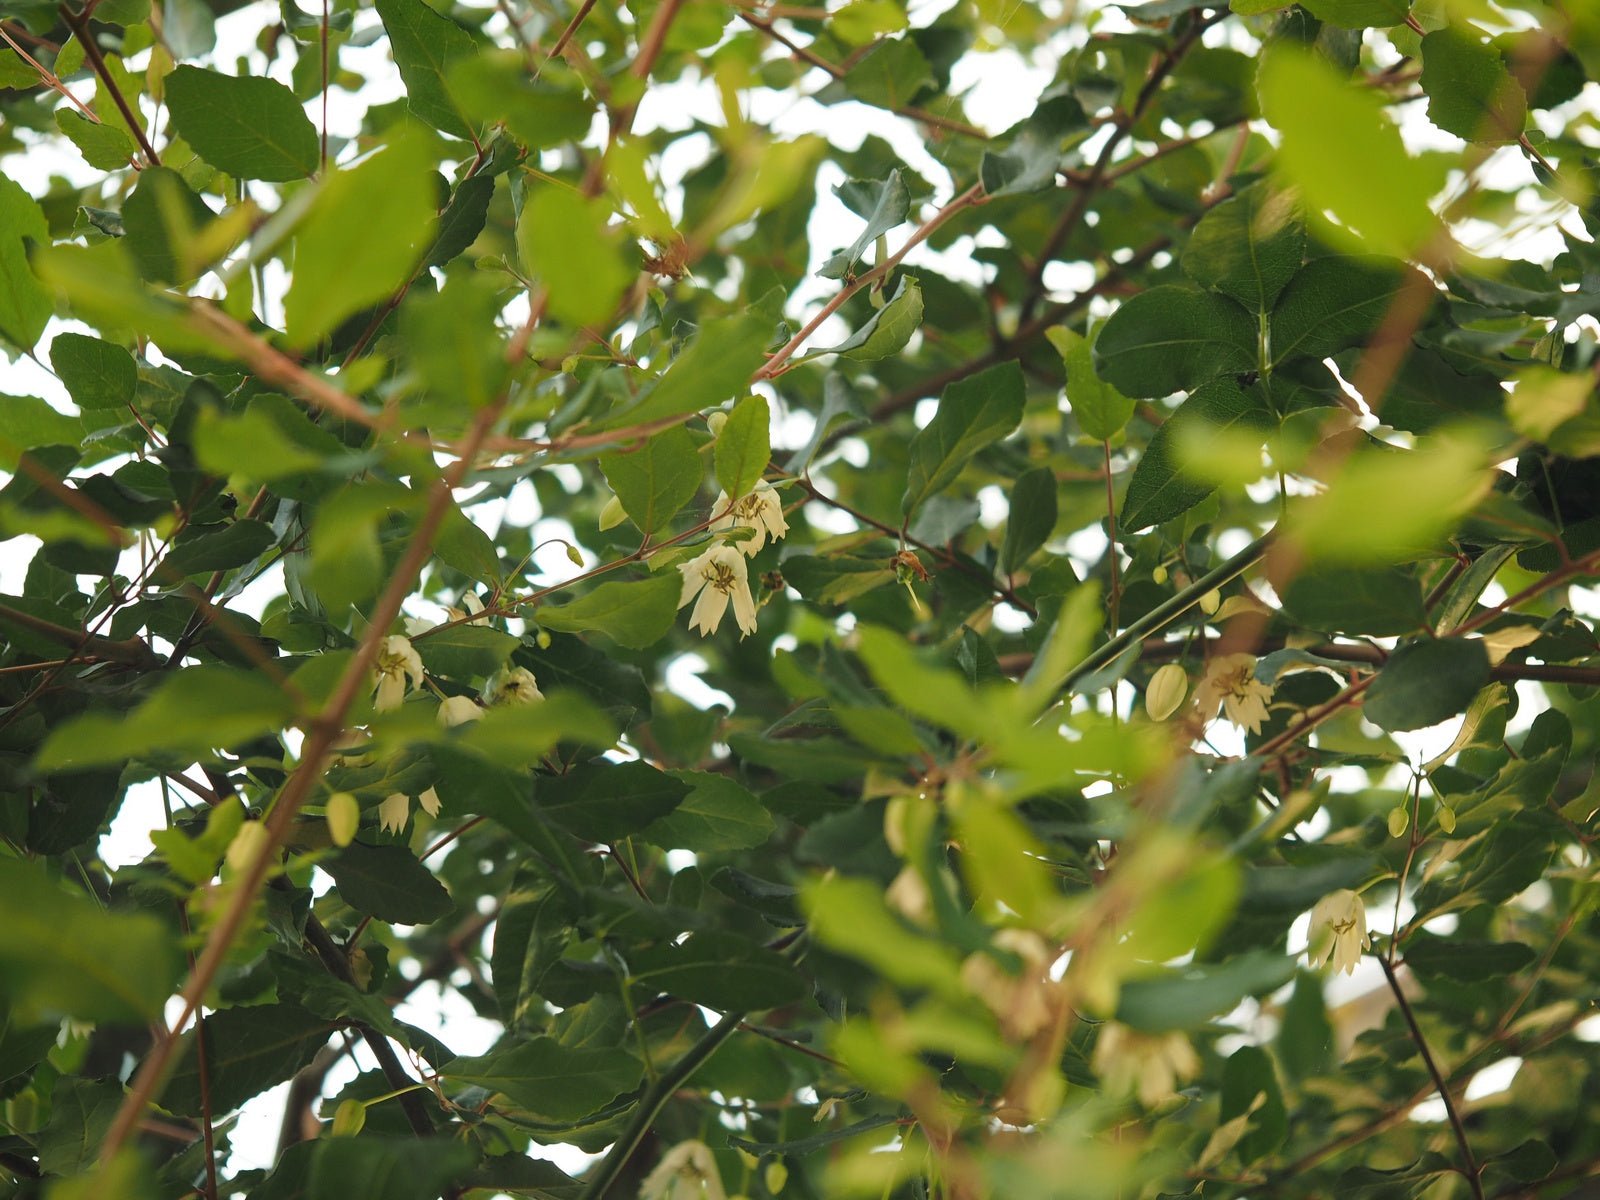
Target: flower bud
612,514
1167,688
1211,601
247,846
343,815
775,1176
348,1118
715,421
574,555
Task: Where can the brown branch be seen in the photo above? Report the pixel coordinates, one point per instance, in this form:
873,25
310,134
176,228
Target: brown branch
1469,1164
91,51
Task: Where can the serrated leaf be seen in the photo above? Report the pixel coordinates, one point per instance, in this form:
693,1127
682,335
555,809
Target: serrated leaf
97,374
635,615
246,125
718,814
656,478
1161,488
603,802
551,1081
1031,517
390,199
888,330
886,209
1101,410
424,44
744,446
1335,303
1471,93
1248,247
1425,682
972,413
1171,339
387,882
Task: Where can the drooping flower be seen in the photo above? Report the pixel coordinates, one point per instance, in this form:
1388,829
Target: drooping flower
512,686
397,662
1231,682
470,607
395,810
688,1171
458,710
758,510
718,576
1024,1001
1339,931
1150,1064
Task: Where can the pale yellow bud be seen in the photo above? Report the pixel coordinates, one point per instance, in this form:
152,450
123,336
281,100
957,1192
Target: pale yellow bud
348,1118
247,846
775,1176
1168,686
1211,601
612,514
715,421
343,816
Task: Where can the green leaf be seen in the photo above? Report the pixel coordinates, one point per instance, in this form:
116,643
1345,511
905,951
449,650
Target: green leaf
635,615
206,548
849,915
656,478
495,86
247,1051
190,713
715,367
1335,303
390,198
1376,602
1359,14
1190,996
1033,156
97,374
550,1081
744,446
604,802
385,1168
1161,487
25,306
104,147
62,954
1248,247
564,241
1470,91
425,44
246,125
888,330
973,413
889,75
718,815
81,1112
162,218
520,735
720,970
1335,135
1171,339
883,205
465,652
1031,519
463,546
1465,960
1250,1086
1101,410
387,882
1425,682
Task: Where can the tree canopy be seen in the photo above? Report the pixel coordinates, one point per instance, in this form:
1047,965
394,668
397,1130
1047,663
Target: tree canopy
881,655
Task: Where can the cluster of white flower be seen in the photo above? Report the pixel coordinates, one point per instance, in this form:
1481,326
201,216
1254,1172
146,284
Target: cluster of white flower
719,576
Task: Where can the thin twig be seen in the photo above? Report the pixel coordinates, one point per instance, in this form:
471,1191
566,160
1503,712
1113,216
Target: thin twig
91,51
1469,1165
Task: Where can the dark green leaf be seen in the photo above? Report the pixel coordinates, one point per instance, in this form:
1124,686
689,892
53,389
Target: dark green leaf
1031,518
603,802
1335,303
719,814
248,125
424,44
1189,996
658,477
1171,339
884,207
1031,160
1425,682
635,615
1470,92
720,970
888,330
387,882
1377,602
96,373
972,413
1248,247
1162,486
550,1081
247,1051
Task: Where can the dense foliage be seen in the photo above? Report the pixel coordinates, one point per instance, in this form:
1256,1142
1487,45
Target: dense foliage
887,657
